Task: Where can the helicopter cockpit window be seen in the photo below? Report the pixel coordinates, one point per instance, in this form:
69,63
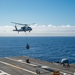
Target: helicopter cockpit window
29,28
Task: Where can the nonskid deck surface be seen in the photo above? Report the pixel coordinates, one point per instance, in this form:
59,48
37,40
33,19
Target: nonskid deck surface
19,66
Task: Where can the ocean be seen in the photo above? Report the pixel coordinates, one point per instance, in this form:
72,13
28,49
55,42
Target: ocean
51,49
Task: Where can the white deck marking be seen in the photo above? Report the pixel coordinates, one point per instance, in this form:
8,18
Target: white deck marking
3,73
17,67
21,61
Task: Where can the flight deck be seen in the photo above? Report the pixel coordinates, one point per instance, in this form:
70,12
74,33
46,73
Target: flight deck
23,65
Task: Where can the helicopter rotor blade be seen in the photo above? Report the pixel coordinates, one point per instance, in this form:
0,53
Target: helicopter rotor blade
19,23
26,25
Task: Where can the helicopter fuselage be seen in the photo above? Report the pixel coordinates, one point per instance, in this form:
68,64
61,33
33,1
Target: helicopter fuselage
23,29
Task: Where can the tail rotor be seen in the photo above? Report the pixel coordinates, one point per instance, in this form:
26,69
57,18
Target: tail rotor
16,27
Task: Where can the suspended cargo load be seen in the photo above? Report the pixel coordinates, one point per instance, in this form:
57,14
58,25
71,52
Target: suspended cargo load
27,46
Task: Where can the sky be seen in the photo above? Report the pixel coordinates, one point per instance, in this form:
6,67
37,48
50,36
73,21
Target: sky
52,17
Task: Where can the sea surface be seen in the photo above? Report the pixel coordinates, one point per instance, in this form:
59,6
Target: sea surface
51,49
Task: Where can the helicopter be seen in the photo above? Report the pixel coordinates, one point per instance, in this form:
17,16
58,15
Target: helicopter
24,28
